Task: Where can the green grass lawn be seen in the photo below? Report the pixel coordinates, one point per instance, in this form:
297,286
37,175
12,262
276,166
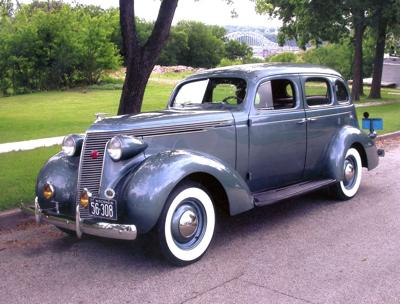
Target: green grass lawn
18,175
386,94
48,114
390,114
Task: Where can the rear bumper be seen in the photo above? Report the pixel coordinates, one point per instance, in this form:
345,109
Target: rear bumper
102,229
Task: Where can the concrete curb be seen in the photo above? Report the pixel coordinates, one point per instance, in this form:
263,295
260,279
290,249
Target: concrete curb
392,135
12,218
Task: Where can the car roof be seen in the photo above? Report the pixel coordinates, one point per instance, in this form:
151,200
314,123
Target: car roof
261,70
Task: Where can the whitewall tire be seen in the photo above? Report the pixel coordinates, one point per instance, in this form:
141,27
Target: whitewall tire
187,224
352,173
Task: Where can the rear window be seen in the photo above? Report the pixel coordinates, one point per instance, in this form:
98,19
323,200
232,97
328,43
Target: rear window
317,92
275,95
342,95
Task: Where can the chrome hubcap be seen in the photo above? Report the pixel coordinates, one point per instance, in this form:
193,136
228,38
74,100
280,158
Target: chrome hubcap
350,172
188,224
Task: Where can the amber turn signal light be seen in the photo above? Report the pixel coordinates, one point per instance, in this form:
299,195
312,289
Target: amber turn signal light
48,191
85,198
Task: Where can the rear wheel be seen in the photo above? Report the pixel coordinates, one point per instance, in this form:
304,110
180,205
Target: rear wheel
352,170
187,224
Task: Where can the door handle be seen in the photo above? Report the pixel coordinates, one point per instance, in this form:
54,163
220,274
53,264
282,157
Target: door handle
312,119
300,122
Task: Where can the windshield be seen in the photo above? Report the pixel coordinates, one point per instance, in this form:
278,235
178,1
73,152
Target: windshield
211,93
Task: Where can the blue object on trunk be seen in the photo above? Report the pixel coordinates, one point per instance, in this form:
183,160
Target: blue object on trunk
372,123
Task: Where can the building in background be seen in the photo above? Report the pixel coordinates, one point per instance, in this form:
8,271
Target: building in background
391,71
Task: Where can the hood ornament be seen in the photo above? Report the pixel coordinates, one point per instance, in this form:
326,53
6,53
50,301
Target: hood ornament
100,116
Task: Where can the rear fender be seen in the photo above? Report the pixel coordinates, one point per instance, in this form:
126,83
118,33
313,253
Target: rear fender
347,137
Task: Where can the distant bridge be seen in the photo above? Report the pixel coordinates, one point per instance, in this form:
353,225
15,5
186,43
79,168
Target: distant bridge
262,46
251,39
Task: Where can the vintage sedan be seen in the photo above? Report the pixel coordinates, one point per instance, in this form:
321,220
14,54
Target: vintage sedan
231,138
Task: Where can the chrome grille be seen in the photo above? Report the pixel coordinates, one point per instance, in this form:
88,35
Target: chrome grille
90,169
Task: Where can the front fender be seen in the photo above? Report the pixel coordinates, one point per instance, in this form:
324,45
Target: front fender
148,187
62,172
345,138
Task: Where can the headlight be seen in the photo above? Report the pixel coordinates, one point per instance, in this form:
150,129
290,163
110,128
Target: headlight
122,147
114,148
72,144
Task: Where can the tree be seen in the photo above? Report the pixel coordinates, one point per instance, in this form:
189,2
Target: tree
140,59
236,50
175,50
50,45
323,20
387,13
205,44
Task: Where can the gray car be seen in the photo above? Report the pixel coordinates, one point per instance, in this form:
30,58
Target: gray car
231,139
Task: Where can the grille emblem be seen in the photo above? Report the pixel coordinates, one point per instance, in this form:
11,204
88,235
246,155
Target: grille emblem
94,154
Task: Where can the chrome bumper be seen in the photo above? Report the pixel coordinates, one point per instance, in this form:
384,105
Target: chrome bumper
102,229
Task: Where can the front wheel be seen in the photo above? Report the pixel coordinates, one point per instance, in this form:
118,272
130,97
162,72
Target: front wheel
352,169
187,224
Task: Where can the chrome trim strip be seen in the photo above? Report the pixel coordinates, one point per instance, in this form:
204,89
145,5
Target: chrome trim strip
102,229
168,129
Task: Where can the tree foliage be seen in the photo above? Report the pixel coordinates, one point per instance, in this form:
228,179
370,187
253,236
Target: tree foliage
319,21
53,45
236,50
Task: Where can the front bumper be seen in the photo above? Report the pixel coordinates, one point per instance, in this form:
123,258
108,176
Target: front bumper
102,229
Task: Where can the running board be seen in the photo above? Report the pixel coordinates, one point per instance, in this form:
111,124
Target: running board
276,195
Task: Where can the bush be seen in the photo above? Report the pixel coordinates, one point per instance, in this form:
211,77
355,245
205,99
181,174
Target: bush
55,45
227,62
284,57
335,56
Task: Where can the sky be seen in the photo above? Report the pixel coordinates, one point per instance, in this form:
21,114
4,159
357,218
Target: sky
207,11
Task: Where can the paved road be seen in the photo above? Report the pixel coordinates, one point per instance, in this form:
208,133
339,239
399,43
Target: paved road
307,250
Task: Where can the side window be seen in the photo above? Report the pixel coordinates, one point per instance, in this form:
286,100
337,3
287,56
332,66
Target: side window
342,96
275,95
317,92
224,92
191,93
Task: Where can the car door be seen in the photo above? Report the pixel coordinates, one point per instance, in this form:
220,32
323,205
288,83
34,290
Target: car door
277,134
322,121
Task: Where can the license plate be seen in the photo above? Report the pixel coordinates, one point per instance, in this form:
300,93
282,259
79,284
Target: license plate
103,208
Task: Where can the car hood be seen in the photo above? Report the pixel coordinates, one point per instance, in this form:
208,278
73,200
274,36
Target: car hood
164,121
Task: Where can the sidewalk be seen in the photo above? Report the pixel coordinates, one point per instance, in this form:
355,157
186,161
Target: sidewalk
30,144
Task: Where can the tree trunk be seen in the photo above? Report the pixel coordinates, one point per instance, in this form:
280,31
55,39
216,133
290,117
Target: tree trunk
378,60
359,27
134,86
141,59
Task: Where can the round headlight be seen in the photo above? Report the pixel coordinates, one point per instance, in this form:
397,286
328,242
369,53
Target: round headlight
114,148
72,144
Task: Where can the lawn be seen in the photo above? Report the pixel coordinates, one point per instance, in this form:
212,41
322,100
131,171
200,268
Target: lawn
390,114
48,114
18,175
386,93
